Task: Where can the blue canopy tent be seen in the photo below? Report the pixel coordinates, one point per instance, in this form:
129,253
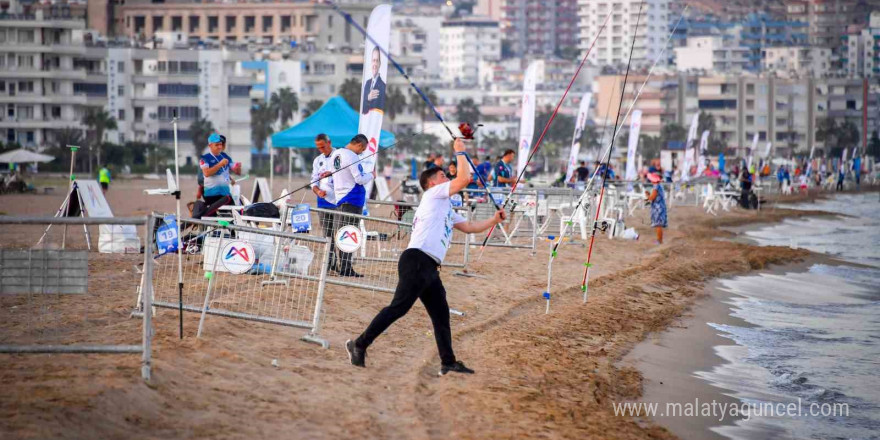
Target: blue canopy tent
335,118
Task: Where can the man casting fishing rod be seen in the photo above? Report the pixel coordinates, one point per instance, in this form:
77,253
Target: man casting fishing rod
419,265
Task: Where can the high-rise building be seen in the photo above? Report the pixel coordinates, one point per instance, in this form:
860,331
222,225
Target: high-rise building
464,42
534,28
829,20
862,56
613,45
712,54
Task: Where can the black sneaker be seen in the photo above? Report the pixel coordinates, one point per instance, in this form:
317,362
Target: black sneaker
457,367
355,355
350,273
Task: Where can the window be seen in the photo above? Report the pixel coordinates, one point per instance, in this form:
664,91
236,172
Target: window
177,89
26,61
716,104
750,120
267,23
176,24
121,116
120,66
249,23
189,67
167,135
157,23
851,104
239,91
285,23
10,111
138,114
25,36
56,112
120,91
184,113
26,86
230,24
193,23
213,24
90,89
29,137
2,86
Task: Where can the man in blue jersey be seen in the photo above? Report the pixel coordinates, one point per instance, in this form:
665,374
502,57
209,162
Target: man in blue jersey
323,190
215,165
348,185
503,169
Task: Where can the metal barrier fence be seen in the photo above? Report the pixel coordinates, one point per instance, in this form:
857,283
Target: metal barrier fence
256,274
58,297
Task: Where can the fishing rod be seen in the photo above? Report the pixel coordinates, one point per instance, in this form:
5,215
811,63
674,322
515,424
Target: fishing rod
418,90
606,157
617,125
546,128
308,185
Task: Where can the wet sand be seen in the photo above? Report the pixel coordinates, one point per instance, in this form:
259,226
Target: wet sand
538,375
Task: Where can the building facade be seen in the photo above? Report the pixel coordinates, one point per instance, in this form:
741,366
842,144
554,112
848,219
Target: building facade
712,54
862,59
531,28
613,45
464,42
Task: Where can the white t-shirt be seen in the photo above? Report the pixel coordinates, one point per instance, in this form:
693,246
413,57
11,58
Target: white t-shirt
348,185
319,165
432,224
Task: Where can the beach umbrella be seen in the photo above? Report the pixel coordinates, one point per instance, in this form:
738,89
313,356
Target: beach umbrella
24,156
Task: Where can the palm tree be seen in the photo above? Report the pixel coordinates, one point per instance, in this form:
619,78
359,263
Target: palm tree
64,137
286,104
467,111
418,105
395,103
262,120
311,107
350,90
199,130
98,120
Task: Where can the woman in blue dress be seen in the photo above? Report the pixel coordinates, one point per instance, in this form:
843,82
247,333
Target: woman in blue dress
658,206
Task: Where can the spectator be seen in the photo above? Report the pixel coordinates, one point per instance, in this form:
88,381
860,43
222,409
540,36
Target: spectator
215,165
503,169
582,173
658,206
348,186
429,162
104,179
322,187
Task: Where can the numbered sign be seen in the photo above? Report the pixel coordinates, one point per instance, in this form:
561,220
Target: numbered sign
300,218
166,235
456,200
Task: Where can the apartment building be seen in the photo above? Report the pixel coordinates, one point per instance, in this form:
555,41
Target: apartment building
532,28
464,42
613,45
862,56
41,76
783,111
798,61
712,54
307,24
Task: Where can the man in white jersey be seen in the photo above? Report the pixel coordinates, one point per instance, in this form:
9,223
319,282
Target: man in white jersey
348,185
322,187
418,267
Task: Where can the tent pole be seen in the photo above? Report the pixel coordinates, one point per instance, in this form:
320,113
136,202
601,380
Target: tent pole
271,170
73,149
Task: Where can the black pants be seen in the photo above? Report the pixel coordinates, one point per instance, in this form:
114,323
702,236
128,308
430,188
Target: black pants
329,230
419,278
346,220
210,200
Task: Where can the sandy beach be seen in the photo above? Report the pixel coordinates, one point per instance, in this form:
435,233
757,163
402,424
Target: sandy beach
538,375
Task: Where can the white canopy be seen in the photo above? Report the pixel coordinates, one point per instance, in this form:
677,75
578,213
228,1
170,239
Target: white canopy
24,156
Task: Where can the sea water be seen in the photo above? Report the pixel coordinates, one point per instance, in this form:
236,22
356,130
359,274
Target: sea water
813,337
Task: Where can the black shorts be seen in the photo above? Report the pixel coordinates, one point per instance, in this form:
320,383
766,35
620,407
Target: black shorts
105,185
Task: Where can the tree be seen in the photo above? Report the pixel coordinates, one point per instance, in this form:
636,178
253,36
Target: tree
199,130
466,110
715,145
650,146
350,90
64,137
262,120
418,105
672,132
848,134
422,143
874,145
311,107
836,136
395,102
285,103
98,120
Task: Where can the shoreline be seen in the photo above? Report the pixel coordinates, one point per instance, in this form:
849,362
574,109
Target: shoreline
538,375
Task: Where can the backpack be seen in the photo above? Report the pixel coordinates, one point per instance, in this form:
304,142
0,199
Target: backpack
264,210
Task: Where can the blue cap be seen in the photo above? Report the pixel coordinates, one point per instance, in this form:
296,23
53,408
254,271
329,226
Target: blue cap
214,138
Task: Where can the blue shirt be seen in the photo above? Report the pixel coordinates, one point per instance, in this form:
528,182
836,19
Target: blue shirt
502,169
218,184
485,169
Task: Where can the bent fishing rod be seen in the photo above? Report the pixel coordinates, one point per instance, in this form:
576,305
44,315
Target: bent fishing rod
546,128
605,158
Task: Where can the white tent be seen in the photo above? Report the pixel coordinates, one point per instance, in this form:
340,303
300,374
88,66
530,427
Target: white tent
24,156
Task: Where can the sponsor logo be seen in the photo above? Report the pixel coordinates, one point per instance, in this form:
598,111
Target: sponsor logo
238,257
349,239
337,162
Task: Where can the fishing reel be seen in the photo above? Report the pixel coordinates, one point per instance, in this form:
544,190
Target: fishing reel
601,226
468,130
